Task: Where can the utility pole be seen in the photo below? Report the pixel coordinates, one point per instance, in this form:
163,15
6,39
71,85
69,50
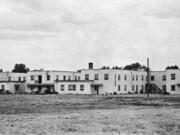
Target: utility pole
148,77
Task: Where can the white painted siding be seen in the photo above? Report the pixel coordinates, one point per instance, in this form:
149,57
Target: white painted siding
87,87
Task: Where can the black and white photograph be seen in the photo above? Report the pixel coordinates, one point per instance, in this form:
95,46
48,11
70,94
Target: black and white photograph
89,67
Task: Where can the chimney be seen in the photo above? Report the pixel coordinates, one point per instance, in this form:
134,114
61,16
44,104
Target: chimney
90,65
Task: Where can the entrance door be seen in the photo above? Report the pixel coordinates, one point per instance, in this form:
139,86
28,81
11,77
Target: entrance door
39,79
16,88
96,88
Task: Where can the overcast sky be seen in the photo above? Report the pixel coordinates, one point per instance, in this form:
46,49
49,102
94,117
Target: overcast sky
67,34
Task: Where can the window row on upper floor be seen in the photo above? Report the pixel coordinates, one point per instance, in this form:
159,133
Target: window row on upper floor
106,77
19,78
172,77
117,77
48,77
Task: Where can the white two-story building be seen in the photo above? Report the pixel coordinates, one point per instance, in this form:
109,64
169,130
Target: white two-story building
168,80
103,81
12,82
115,81
91,81
40,81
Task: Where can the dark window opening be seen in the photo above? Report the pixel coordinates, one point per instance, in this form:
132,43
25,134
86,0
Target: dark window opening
86,76
173,87
81,87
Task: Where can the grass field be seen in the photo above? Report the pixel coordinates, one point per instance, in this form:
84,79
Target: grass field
89,115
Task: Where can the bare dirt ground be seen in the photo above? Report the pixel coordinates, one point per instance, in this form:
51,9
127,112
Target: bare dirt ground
89,115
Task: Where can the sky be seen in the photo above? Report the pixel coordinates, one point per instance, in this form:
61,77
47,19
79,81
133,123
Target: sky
67,34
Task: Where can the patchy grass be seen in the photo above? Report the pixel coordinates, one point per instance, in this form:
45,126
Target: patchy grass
87,114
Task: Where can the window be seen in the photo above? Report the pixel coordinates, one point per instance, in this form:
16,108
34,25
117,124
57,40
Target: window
62,87
136,77
164,78
173,87
164,87
119,87
152,78
57,77
48,77
173,76
69,77
125,87
32,77
125,77
24,78
2,87
119,77
133,77
16,88
81,87
142,78
136,87
70,88
132,87
19,79
96,77
106,76
86,76
64,77
74,87
142,87
79,78
75,77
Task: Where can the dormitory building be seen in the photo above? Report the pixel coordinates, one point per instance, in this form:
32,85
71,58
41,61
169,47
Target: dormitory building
91,81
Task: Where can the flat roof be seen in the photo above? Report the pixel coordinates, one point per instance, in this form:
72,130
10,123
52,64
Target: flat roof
51,71
74,81
40,84
12,81
113,70
11,73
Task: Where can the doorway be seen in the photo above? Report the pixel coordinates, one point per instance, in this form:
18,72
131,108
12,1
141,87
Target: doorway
39,79
96,89
16,88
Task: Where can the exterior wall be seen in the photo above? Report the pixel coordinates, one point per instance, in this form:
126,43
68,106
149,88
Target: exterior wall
5,76
10,86
87,87
173,82
168,82
54,75
32,85
158,78
10,80
22,88
138,81
113,83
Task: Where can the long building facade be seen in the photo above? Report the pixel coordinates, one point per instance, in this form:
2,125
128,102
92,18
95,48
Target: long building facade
12,82
92,81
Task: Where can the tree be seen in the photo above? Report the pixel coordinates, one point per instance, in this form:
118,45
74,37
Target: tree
134,66
20,68
116,67
105,67
172,67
